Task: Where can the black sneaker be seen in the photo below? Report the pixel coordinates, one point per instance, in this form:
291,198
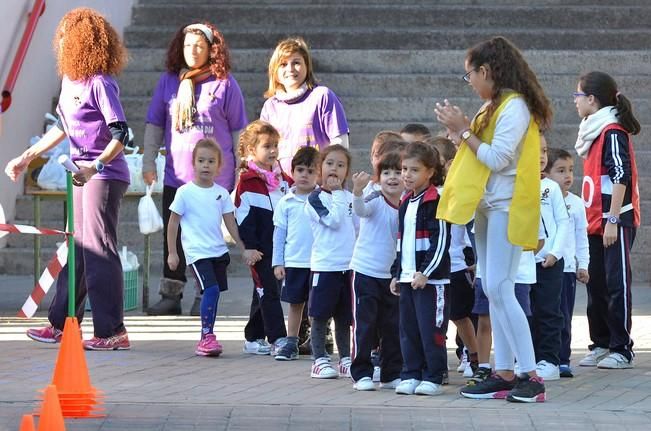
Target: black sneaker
288,352
480,374
493,387
565,371
527,390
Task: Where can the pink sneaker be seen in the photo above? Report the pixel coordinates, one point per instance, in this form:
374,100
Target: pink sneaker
49,334
209,346
116,342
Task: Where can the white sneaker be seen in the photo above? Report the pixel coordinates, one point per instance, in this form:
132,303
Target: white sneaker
593,357
322,369
377,372
428,388
467,373
463,363
364,384
407,387
547,371
257,347
344,366
390,385
615,361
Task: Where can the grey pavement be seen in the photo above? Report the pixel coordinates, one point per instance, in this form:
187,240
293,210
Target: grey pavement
161,385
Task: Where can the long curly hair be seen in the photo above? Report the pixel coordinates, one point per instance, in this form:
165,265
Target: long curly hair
285,48
509,70
86,44
219,58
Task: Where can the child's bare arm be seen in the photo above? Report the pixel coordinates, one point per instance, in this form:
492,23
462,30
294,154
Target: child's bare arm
172,233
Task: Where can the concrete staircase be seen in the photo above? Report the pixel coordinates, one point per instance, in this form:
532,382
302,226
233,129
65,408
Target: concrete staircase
390,61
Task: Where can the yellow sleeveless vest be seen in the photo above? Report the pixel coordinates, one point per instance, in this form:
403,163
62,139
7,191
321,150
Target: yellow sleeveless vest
466,181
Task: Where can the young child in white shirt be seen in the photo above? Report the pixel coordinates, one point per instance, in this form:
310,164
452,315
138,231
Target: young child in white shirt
547,319
201,236
334,229
560,168
292,245
375,308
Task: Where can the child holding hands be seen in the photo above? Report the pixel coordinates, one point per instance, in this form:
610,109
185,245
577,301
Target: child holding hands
262,184
201,236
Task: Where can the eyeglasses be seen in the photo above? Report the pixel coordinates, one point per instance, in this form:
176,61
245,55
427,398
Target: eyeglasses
466,77
578,94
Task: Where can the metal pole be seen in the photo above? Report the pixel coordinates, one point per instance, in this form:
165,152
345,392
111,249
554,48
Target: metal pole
71,248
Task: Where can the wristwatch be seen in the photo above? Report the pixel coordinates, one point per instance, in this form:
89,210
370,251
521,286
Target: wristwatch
99,166
613,219
465,135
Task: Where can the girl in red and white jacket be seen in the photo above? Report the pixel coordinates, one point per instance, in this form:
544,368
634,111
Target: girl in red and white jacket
262,183
610,193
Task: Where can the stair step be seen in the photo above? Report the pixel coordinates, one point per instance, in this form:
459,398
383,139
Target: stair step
405,109
407,61
223,3
427,16
19,261
411,38
254,84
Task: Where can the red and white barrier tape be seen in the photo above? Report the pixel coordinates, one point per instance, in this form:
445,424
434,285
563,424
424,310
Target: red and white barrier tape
46,281
50,273
21,228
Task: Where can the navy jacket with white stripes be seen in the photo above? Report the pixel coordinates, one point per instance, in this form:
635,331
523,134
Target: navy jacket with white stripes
432,235
254,209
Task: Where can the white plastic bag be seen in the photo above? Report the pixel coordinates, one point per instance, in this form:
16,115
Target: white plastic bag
128,259
134,161
52,176
149,218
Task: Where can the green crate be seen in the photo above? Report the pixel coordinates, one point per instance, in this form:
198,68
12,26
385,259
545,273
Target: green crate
130,290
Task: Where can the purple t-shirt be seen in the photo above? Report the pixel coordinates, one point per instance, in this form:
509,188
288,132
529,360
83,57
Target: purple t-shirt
313,121
220,111
86,108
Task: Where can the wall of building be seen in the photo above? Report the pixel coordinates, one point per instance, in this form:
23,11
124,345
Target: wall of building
38,82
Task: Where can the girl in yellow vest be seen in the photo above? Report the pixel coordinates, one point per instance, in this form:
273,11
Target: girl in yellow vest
496,178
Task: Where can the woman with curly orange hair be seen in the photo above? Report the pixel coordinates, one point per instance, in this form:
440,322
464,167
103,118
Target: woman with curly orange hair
89,54
195,98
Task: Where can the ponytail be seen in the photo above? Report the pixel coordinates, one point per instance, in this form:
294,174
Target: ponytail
625,115
604,88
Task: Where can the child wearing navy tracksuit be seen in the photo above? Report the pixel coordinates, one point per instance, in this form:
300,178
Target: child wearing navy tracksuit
421,274
262,184
375,308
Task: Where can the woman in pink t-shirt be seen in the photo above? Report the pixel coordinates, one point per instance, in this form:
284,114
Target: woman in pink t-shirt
89,54
305,113
195,98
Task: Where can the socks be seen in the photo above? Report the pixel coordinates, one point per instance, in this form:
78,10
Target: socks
485,365
342,337
317,338
209,309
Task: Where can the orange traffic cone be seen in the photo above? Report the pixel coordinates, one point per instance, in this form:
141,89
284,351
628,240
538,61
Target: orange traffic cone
27,423
51,417
78,398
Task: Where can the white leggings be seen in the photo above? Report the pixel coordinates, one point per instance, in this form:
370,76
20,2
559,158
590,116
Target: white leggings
499,260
